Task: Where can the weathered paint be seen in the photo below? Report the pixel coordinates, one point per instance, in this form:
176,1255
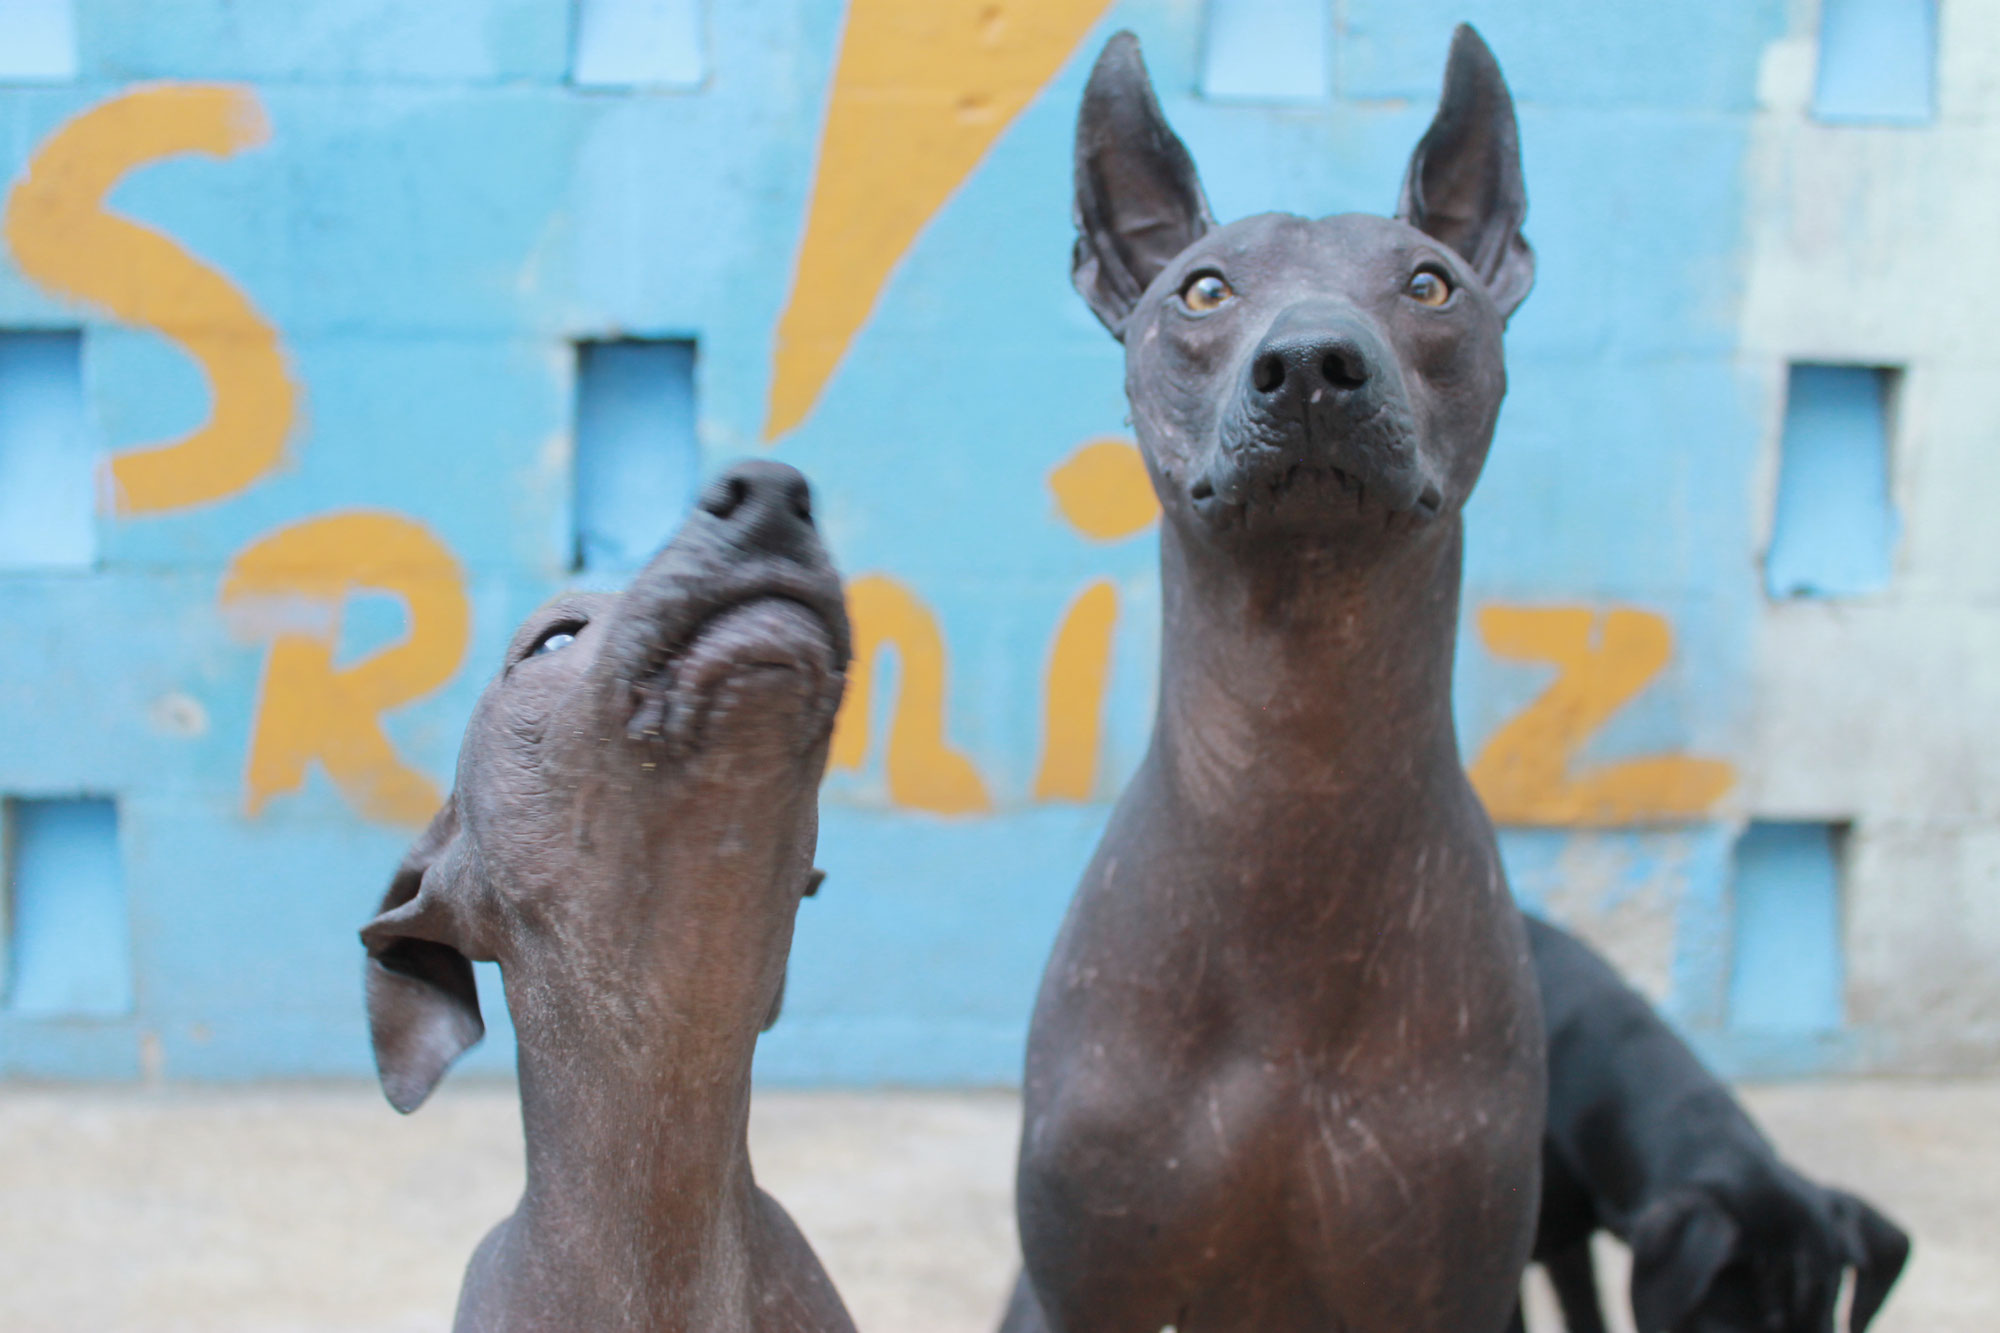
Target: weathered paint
438,215
1878,712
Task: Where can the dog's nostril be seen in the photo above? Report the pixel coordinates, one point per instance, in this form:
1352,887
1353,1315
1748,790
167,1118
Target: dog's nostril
802,504
1268,374
726,496
1344,370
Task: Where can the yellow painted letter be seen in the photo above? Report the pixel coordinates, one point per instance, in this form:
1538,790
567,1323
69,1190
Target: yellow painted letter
1073,723
291,587
1602,663
924,772
64,238
1103,490
922,89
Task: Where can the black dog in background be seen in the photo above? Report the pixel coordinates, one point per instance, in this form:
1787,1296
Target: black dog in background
1645,1143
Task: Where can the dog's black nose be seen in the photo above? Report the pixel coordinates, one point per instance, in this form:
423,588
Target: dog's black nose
1305,355
761,504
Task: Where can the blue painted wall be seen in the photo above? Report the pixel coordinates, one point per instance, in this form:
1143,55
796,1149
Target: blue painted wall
441,213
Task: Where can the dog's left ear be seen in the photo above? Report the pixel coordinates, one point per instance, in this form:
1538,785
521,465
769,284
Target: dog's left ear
1464,185
423,1005
1138,200
1877,1248
1679,1243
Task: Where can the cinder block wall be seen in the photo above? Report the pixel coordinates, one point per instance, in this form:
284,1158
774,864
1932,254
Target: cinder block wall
336,335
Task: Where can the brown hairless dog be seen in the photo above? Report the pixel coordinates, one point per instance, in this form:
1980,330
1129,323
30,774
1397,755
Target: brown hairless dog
1285,1071
631,832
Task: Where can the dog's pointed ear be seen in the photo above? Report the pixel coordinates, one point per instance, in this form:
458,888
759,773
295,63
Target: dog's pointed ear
1464,185
1679,1243
423,1005
1877,1248
1138,200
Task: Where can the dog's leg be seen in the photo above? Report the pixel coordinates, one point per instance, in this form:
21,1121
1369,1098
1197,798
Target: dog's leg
1575,1280
1515,1323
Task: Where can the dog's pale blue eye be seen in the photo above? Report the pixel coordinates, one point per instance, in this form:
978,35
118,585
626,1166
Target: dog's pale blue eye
1205,291
555,642
1428,288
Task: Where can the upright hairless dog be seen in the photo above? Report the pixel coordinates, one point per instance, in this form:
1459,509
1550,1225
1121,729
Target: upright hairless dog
630,834
1285,1071
1645,1143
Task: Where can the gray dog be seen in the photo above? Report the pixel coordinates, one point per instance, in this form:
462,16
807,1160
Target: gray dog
1286,1068
630,835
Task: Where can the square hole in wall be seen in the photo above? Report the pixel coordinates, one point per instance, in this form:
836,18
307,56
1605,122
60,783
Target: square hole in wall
48,516
1787,971
69,947
1267,51
637,459
37,41
1834,527
1877,62
637,44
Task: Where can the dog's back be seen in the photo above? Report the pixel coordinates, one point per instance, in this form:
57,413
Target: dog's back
1645,1143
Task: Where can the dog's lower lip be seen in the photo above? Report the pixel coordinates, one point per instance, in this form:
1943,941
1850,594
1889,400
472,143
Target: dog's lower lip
763,643
765,615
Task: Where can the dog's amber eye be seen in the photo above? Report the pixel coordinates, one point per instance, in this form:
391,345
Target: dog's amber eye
1428,287
558,638
1204,292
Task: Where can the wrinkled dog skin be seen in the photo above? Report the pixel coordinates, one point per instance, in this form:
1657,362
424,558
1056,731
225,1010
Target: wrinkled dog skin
630,834
1645,1143
1285,1071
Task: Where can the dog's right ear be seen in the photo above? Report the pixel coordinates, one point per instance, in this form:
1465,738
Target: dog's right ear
1679,1243
423,1005
1877,1248
1138,201
1464,184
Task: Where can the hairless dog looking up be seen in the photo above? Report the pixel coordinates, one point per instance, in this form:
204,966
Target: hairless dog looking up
1285,1073
630,834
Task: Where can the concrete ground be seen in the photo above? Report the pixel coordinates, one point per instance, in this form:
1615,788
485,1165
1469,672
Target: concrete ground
316,1209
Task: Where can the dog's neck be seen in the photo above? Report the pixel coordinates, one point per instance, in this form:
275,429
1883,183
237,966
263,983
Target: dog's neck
635,1109
1298,673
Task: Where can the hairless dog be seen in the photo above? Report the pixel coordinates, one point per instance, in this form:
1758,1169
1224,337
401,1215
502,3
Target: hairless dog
1285,1071
1645,1143
630,835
